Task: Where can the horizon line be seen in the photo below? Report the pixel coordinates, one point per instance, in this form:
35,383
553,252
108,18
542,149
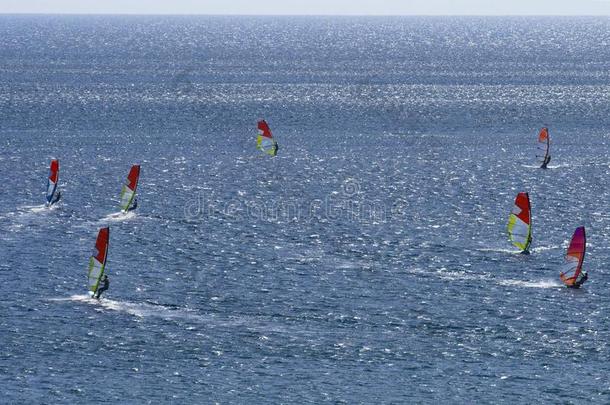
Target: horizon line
291,15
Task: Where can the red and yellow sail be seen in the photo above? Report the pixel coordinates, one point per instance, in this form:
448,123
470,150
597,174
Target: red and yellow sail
264,140
520,222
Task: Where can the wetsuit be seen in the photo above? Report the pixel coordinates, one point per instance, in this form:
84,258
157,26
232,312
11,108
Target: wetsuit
580,282
546,162
134,206
102,288
57,198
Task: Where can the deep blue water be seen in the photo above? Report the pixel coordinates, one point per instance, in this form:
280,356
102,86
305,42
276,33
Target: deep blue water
367,263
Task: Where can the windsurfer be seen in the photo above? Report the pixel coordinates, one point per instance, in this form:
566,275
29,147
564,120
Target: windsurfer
57,198
580,281
546,162
105,285
134,206
577,281
275,149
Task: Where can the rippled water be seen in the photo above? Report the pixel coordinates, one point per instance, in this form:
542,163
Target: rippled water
368,262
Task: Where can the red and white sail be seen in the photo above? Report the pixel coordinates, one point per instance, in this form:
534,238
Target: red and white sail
128,191
97,262
52,180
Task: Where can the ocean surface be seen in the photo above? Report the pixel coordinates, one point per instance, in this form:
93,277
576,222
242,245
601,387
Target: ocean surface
367,263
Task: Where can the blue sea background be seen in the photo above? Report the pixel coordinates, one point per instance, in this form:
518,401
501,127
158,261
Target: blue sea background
367,263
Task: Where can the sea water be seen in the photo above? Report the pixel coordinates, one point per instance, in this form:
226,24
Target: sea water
367,263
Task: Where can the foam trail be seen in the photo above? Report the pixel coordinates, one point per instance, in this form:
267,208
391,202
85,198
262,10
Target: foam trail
140,310
35,208
119,216
532,284
171,313
500,250
543,248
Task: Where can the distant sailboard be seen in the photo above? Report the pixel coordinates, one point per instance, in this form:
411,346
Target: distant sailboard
53,180
572,274
520,223
97,262
265,141
544,148
128,193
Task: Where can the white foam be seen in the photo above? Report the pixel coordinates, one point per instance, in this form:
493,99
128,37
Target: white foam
543,248
35,208
119,216
500,250
532,284
140,310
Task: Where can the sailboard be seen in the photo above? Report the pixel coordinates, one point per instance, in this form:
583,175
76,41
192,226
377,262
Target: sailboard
52,181
544,147
97,262
520,223
128,193
572,274
265,141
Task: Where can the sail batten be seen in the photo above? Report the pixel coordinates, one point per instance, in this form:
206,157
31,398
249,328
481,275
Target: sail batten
128,192
97,261
519,223
264,140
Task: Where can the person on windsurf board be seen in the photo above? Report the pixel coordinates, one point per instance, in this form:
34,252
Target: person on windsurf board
56,199
97,280
128,192
572,275
100,289
53,194
264,141
134,205
544,146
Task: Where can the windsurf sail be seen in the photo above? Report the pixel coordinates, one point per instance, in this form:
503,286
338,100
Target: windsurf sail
52,181
128,192
265,141
97,262
571,273
520,222
544,146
